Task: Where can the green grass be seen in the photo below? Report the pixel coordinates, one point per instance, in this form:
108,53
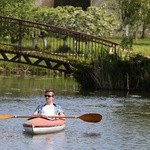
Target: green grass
140,46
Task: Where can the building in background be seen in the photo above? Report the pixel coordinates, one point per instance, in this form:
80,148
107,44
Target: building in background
54,3
76,3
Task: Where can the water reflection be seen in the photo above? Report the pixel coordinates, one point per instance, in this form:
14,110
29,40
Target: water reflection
46,141
21,86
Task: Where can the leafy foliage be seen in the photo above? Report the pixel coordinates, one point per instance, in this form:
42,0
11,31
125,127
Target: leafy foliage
23,9
95,20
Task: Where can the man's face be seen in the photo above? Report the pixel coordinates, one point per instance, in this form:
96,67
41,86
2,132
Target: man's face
49,96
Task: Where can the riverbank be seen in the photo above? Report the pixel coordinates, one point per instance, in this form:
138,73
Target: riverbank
132,74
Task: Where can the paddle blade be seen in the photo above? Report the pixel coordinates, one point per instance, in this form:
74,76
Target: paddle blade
92,117
6,116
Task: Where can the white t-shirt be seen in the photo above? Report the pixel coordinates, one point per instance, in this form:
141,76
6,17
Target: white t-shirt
48,110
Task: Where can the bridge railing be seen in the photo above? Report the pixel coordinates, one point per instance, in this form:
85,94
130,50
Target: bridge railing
55,41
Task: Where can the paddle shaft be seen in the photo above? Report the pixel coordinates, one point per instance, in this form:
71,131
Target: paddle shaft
91,117
40,116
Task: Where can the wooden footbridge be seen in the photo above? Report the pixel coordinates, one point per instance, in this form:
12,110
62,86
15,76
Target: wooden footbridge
48,46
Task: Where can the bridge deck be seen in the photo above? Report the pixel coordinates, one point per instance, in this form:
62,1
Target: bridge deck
48,46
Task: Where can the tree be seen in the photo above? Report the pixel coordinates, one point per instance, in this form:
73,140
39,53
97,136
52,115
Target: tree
95,20
145,17
134,13
17,8
22,9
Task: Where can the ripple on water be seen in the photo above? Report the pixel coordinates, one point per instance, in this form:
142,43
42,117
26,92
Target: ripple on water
92,134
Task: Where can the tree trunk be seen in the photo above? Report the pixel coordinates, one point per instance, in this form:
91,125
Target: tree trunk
143,31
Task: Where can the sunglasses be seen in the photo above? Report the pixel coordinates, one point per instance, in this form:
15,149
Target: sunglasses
49,95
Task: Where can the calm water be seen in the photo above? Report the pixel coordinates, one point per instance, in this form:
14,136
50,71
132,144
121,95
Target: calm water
125,124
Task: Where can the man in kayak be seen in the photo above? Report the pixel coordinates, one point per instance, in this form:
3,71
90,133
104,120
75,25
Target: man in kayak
49,108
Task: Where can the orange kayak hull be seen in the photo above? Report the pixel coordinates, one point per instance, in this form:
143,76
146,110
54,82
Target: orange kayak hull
43,126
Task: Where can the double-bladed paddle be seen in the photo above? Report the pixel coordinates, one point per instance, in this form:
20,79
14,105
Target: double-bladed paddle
91,117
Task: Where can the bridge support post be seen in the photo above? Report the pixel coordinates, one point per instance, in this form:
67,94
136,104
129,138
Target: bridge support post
20,34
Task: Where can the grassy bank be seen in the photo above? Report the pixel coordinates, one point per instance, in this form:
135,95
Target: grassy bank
116,74
140,46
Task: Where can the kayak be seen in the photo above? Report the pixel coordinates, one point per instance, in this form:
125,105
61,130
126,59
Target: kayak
43,126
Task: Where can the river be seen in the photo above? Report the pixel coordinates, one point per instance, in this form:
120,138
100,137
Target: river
125,123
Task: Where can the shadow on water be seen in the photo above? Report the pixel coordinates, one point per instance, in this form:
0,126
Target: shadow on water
92,135
107,93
